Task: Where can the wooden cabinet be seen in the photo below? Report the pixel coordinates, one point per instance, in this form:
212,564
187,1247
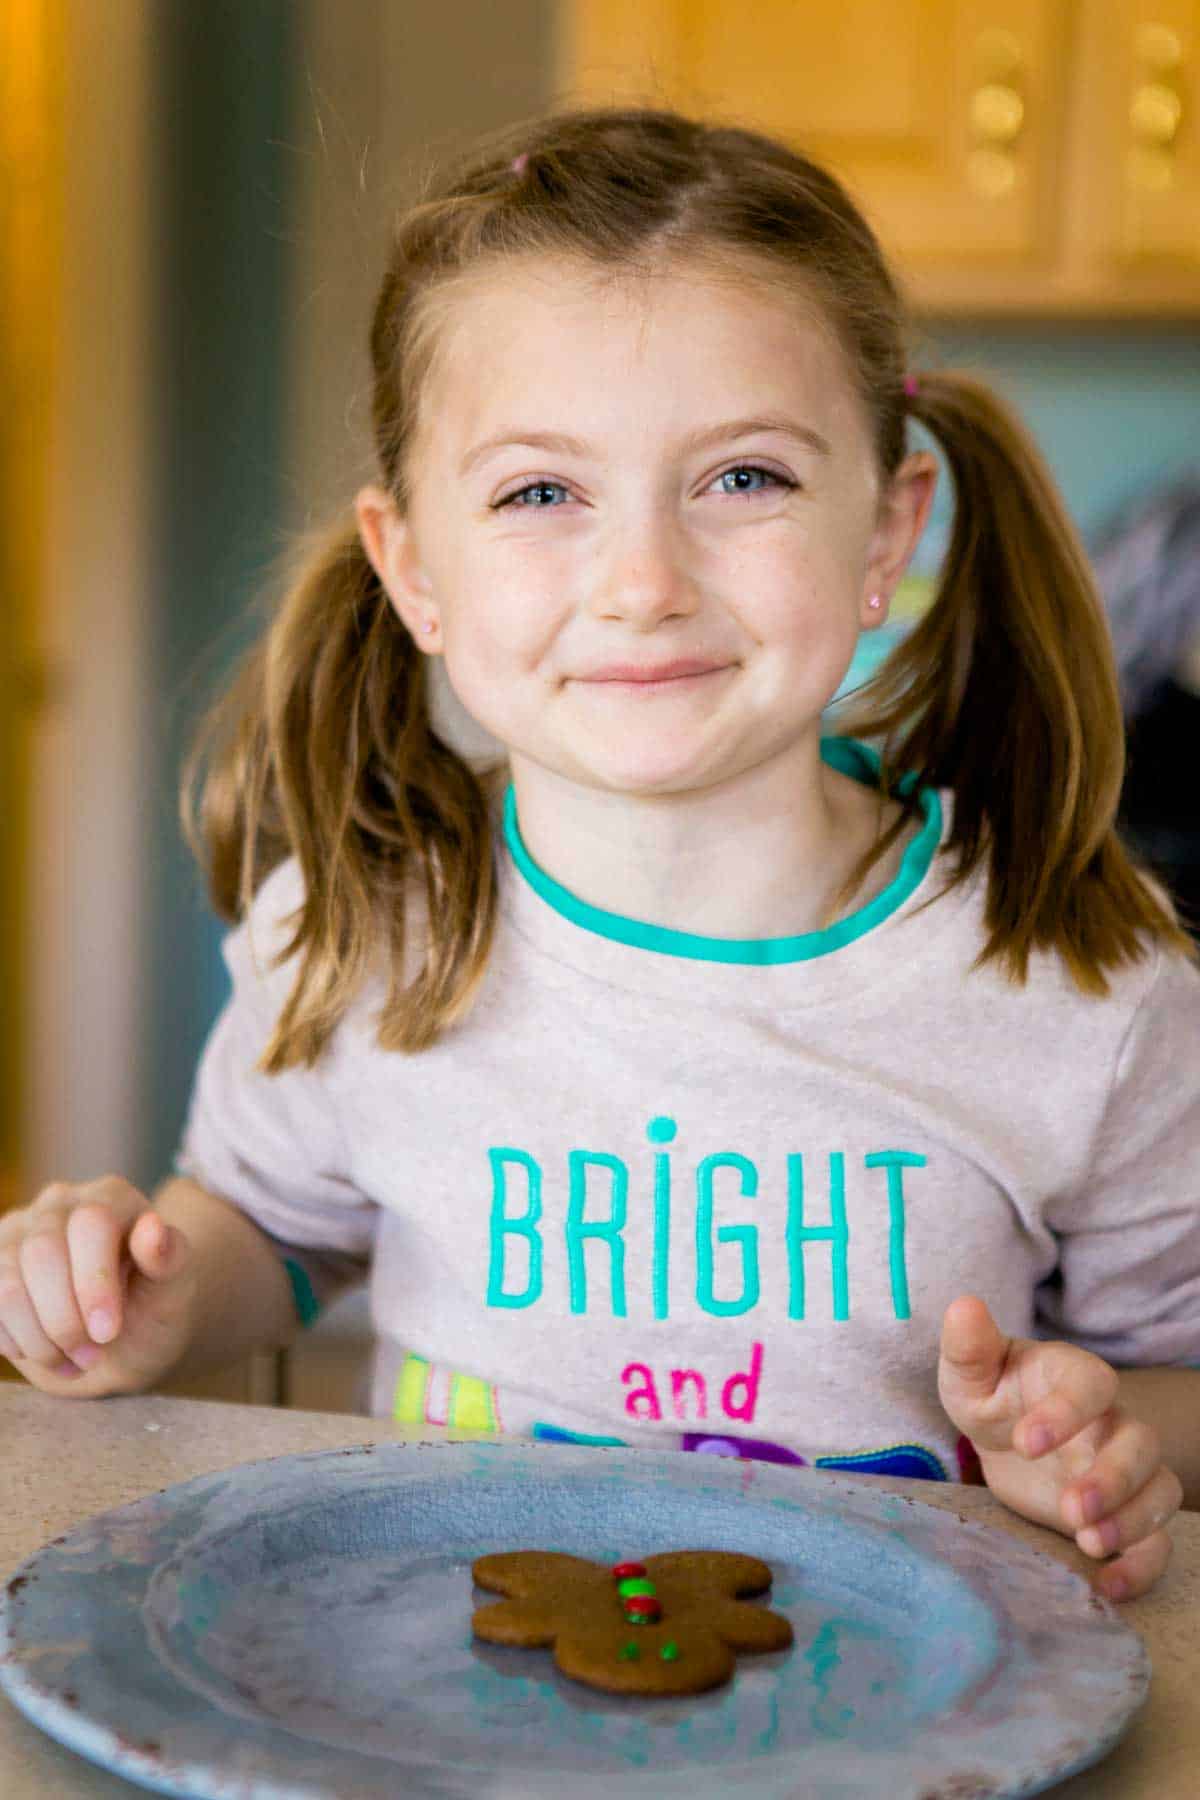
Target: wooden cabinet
1036,157
327,1368
255,1381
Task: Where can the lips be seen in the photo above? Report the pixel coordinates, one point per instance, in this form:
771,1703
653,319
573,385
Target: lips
642,672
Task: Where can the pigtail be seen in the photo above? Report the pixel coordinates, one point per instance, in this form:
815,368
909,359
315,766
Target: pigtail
1007,692
322,748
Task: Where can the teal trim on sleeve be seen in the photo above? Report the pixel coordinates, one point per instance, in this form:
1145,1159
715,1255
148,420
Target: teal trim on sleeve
850,757
307,1304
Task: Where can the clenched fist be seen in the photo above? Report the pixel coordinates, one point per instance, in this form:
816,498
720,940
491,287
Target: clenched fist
96,1290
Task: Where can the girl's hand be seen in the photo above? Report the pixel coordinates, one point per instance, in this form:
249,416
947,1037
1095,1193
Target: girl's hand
79,1252
1099,1477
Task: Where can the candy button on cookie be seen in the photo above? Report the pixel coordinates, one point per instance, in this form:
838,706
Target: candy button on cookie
634,1584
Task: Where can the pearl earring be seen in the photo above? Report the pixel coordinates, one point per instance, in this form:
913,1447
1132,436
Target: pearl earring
874,602
429,625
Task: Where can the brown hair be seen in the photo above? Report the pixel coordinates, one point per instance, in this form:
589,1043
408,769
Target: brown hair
1005,691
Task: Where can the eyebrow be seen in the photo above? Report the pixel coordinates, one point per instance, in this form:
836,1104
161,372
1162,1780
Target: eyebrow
559,443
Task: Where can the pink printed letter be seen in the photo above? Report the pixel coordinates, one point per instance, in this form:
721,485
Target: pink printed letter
749,1381
647,1392
678,1378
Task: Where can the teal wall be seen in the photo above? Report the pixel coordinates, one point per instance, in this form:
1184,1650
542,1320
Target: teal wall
222,249
1113,412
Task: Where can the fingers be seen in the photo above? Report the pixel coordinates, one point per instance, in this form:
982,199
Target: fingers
52,1309
1125,1496
155,1247
21,1335
1121,1507
1145,1512
1135,1573
972,1342
972,1363
54,1201
20,1313
61,1267
94,1240
1084,1391
1122,1465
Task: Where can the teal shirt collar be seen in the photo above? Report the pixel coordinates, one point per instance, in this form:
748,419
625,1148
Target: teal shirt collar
850,757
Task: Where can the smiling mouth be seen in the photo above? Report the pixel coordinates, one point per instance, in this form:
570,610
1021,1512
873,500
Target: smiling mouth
680,682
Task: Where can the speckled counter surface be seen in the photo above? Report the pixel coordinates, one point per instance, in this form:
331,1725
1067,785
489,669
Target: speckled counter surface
61,1461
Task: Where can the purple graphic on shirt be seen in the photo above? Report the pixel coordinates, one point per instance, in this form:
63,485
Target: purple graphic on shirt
755,1449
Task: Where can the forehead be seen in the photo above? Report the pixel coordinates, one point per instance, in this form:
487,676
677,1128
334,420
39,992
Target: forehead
547,335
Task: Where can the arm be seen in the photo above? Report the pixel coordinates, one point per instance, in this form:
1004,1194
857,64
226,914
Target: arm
243,1299
1168,1400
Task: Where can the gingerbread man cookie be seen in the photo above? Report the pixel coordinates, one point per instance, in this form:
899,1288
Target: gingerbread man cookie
668,1625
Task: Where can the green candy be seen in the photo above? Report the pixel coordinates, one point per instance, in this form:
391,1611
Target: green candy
670,1651
634,1584
629,1652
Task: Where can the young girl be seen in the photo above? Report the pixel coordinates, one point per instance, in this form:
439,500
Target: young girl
690,1077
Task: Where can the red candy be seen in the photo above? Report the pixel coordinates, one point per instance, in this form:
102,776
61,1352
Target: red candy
626,1571
642,1606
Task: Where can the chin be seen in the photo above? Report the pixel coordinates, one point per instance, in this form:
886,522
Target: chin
651,783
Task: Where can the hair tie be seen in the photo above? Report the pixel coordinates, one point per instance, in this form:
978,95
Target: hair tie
518,163
910,385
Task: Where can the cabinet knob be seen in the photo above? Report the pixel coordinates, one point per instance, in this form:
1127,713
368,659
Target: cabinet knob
995,113
1159,47
1155,108
1155,112
998,53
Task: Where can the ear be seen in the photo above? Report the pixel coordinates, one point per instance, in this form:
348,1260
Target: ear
903,512
391,548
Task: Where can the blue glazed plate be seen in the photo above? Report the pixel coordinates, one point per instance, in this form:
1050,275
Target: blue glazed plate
302,1627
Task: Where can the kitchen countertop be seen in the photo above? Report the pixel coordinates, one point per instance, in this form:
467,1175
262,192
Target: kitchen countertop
62,1461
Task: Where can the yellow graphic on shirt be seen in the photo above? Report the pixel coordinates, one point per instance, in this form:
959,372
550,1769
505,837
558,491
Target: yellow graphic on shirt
428,1396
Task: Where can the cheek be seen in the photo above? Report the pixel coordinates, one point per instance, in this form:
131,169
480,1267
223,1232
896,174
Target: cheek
790,611
810,631
512,602
783,578
498,640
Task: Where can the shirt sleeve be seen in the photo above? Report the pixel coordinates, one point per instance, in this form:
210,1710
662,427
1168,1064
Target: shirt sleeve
272,1144
1127,1286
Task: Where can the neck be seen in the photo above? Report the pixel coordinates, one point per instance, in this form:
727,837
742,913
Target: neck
761,855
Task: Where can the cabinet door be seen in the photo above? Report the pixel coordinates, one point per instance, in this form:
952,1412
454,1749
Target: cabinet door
1137,217
942,117
255,1381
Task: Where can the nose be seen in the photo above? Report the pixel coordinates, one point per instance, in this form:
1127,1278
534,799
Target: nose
642,574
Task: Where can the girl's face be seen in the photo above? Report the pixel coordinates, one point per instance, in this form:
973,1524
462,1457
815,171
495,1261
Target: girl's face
636,472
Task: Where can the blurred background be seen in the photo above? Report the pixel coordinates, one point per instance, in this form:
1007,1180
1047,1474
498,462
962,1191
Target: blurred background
196,198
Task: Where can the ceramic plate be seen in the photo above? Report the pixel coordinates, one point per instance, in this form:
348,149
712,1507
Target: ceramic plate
301,1627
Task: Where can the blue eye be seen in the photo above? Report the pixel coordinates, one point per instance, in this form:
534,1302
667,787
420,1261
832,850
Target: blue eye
535,487
754,469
